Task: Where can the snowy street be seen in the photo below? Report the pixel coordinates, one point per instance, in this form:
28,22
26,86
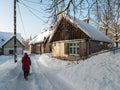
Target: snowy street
45,79
60,45
40,78
100,72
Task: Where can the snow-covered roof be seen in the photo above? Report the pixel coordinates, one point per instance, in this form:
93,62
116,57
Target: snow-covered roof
89,30
40,37
6,36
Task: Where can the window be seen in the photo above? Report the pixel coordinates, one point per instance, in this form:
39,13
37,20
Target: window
10,51
74,48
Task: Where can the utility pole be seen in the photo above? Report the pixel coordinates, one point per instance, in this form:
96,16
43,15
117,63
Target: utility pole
15,45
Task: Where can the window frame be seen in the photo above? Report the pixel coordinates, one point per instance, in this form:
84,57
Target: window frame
75,46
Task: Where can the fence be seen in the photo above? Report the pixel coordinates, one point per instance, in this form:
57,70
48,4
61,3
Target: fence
114,50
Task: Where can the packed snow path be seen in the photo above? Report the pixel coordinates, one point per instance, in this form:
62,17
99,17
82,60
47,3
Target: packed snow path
100,72
40,78
45,79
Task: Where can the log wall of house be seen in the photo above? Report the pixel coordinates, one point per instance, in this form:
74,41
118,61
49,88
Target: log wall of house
83,48
39,49
48,48
30,48
68,31
1,51
33,49
61,50
96,46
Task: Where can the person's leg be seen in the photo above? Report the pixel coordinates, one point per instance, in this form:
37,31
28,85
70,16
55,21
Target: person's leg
28,72
25,75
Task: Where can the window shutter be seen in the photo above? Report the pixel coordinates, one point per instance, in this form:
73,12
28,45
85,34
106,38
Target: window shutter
66,48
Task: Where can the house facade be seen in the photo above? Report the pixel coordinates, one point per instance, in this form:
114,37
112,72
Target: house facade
74,39
7,43
38,48
38,44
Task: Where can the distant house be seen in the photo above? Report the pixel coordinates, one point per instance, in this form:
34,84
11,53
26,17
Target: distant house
40,43
74,39
7,43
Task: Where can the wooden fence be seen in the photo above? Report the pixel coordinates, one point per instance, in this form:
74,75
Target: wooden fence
114,50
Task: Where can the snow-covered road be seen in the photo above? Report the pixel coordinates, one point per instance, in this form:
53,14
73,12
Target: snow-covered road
46,79
40,78
100,72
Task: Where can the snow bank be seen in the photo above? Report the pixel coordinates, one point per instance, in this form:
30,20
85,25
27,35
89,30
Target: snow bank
101,72
9,68
48,61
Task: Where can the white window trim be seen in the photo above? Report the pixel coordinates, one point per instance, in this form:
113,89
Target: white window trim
75,47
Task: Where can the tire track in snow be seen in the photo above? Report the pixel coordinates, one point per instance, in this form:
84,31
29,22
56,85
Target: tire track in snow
14,79
42,83
51,79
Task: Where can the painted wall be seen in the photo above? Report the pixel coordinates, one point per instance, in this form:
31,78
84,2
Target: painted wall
7,51
58,49
10,46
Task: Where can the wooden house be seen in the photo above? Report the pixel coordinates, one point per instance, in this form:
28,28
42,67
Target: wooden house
39,44
74,39
7,43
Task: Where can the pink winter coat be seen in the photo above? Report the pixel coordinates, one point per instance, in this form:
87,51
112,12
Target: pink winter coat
26,62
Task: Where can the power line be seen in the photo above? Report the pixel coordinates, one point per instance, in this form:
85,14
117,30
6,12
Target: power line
33,8
22,21
32,2
29,9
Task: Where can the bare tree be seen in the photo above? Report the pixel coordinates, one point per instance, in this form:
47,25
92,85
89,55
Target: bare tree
106,13
56,7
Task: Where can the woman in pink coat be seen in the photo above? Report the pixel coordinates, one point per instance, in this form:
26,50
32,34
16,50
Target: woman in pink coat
26,62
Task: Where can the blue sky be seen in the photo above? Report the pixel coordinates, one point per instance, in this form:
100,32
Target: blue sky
33,26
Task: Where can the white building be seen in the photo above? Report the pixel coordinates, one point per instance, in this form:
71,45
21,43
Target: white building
7,43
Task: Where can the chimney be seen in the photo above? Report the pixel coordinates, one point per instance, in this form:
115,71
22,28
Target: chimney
86,20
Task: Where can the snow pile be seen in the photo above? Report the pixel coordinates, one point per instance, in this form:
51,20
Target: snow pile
101,72
48,61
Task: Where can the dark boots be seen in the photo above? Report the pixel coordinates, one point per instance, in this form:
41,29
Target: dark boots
26,73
